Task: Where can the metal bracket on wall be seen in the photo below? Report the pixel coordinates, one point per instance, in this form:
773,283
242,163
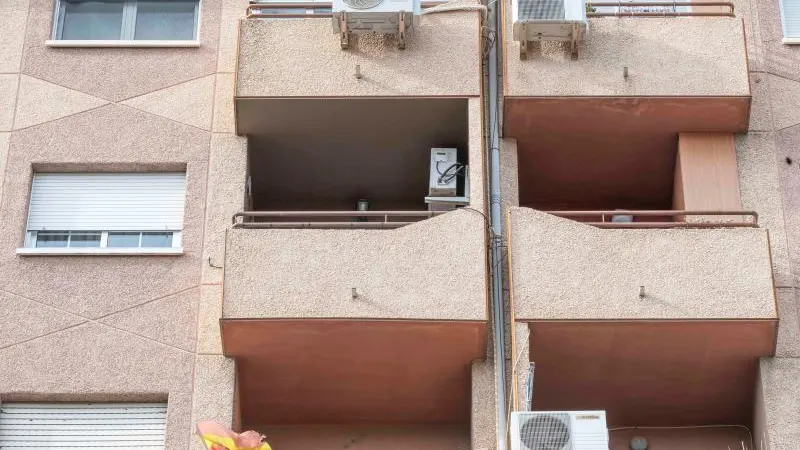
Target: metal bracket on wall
401,36
344,33
573,44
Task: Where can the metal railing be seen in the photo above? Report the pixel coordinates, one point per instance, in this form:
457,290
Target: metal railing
737,218
312,9
316,219
637,9
255,10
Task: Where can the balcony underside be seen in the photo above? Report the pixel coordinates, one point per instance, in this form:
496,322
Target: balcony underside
357,372
651,373
622,148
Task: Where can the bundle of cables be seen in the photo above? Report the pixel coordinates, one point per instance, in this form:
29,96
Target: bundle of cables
452,171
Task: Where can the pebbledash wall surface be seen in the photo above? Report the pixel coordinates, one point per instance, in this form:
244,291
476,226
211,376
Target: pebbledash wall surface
145,328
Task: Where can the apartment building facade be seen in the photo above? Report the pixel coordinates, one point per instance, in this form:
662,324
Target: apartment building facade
179,183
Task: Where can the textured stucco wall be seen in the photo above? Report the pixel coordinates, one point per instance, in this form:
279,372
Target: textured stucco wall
119,328
509,173
483,419
780,385
117,74
768,154
665,56
584,272
434,269
301,57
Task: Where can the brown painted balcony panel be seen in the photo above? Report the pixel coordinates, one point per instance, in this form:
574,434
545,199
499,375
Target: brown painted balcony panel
432,269
354,372
688,72
668,373
566,270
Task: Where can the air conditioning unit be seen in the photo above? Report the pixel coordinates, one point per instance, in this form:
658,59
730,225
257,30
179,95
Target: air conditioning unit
374,16
548,20
559,430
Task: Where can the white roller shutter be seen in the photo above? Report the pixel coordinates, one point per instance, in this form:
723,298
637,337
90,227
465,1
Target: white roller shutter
107,201
790,10
95,426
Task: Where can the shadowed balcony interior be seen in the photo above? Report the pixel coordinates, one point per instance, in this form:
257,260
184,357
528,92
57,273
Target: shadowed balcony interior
685,385
605,154
332,384
326,154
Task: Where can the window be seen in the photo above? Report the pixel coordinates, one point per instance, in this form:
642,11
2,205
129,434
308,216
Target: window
126,20
83,425
263,7
790,16
106,213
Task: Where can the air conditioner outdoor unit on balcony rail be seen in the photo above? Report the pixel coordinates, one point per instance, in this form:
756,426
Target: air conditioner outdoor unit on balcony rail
548,20
378,16
559,430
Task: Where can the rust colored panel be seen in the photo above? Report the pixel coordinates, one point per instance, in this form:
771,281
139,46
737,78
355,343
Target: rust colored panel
657,373
707,172
352,371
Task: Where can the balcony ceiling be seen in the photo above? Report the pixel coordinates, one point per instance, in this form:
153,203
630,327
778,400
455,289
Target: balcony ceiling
656,373
319,371
606,153
327,153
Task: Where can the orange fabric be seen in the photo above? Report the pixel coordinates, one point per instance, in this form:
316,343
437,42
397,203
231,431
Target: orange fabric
218,437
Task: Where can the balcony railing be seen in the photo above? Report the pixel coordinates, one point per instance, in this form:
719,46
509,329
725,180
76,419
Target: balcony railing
682,219
660,9
320,219
289,10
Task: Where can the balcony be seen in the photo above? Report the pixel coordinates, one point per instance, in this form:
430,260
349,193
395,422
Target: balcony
588,273
680,72
658,320
358,327
429,270
284,55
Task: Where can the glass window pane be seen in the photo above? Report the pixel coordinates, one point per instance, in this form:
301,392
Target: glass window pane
123,240
91,20
84,239
51,239
167,20
157,239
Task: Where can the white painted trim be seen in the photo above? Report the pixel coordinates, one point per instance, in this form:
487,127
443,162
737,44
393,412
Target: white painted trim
791,41
119,43
98,251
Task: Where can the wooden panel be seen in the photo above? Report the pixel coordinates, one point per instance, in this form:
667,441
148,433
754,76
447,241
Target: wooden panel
707,172
656,373
354,372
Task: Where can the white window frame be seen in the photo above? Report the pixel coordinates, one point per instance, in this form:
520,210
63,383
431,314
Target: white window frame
788,40
31,238
127,30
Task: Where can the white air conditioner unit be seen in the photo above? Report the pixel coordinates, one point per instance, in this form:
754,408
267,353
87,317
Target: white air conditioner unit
548,20
559,430
376,16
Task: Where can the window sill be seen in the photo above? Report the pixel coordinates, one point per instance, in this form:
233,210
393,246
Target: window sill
791,41
118,43
94,251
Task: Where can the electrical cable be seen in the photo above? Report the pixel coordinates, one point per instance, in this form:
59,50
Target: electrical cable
447,176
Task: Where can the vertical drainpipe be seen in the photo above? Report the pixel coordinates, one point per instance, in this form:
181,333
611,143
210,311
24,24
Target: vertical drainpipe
492,104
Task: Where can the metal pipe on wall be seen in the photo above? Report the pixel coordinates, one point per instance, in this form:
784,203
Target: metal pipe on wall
492,105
